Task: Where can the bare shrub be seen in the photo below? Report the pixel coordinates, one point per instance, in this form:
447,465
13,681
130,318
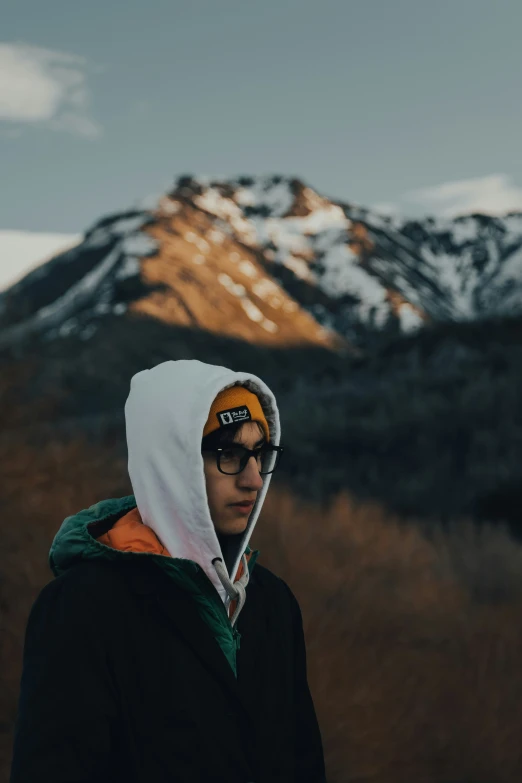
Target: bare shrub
483,558
415,678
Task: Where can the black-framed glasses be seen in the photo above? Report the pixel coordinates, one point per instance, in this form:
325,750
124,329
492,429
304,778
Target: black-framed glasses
232,459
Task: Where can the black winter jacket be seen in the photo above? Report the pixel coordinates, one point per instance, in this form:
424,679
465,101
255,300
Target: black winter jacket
124,681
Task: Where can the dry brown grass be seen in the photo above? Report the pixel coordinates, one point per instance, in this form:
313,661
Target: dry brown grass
414,641
414,644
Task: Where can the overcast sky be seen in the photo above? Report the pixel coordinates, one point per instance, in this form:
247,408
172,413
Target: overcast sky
402,104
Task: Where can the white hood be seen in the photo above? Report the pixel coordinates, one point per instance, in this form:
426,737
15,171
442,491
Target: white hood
165,414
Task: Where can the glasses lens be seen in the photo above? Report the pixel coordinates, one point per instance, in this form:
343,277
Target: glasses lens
269,460
233,459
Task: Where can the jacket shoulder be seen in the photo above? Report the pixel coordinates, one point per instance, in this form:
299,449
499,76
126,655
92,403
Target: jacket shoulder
276,588
86,585
265,577
267,580
92,575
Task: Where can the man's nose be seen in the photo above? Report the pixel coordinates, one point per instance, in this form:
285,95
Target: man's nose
250,477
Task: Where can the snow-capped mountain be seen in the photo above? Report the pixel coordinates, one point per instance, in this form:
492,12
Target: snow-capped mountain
271,261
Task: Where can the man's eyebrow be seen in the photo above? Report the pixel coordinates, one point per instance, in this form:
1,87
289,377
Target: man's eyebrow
256,445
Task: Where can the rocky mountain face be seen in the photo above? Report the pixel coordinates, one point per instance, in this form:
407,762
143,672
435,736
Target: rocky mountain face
270,261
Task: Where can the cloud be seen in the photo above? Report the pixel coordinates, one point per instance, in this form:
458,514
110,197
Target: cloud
22,251
493,195
387,208
43,87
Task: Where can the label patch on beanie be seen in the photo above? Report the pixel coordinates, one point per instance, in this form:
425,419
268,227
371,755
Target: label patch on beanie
234,415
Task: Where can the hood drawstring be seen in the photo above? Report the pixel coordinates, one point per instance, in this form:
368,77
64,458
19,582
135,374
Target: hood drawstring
234,590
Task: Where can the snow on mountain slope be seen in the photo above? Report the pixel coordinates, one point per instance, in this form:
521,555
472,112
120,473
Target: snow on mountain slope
54,296
374,269
457,269
269,260
22,251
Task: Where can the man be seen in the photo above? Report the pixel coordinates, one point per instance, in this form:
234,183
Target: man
162,652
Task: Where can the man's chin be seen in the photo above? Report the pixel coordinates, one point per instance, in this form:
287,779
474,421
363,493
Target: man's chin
232,526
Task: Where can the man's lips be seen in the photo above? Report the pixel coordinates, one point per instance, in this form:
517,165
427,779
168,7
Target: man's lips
244,504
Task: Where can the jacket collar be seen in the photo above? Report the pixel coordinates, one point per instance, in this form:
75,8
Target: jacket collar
148,579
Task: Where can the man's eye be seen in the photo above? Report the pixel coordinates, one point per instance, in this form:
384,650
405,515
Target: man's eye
228,454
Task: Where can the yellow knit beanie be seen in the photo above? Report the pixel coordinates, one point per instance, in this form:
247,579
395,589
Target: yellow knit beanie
233,405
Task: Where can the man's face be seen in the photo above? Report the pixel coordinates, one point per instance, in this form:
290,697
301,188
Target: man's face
224,492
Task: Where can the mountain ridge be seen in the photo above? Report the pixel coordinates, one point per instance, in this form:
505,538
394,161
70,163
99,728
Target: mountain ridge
271,261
